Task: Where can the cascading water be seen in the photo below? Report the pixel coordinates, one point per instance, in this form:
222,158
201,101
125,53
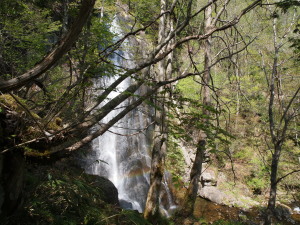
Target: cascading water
122,153
167,205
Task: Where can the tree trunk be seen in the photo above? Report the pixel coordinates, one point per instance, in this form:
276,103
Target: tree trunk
157,171
161,128
65,16
273,186
278,131
274,137
191,194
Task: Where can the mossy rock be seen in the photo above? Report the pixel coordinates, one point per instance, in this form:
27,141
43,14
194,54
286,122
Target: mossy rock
9,101
62,194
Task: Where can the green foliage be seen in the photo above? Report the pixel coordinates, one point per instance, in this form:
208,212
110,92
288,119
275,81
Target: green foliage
258,179
145,12
223,222
286,4
244,153
192,118
62,197
175,161
25,34
69,198
189,88
135,218
257,184
94,39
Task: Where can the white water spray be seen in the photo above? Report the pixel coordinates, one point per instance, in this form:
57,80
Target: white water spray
122,157
122,154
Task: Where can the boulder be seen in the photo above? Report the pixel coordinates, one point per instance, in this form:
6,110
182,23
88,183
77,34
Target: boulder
212,193
283,212
109,191
208,178
125,204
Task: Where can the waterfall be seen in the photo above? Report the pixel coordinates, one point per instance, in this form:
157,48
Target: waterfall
122,153
167,204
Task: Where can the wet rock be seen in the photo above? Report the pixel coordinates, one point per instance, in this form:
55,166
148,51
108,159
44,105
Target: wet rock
125,204
109,191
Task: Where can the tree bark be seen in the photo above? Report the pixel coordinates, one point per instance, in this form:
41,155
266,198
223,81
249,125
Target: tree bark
273,185
191,194
277,147
161,128
157,171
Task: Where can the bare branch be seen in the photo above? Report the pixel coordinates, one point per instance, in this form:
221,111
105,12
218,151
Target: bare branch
290,173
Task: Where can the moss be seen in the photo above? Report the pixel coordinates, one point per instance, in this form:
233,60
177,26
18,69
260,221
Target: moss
223,222
34,153
30,129
55,124
11,103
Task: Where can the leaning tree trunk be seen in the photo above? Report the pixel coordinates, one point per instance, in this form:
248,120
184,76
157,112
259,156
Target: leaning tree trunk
191,194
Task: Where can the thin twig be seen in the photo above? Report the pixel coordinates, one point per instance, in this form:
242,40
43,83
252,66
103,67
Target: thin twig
30,114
